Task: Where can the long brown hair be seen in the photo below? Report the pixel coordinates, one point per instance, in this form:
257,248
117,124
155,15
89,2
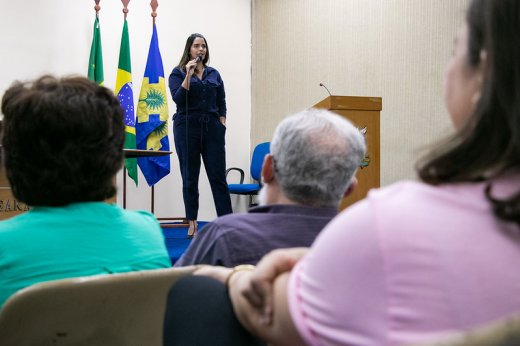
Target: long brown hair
186,54
489,142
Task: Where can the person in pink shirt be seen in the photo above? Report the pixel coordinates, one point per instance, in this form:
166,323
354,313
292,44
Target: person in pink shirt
414,260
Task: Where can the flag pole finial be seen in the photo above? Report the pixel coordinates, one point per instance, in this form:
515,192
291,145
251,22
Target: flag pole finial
125,6
97,7
154,4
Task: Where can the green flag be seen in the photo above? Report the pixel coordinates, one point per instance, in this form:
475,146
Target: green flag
95,62
126,98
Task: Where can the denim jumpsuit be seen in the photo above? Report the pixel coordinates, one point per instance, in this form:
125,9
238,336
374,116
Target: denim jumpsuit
198,132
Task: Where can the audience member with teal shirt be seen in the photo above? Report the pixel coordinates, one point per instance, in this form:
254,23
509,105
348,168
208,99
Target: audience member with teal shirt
63,145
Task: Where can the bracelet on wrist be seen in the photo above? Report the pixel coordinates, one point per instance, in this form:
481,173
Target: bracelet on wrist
238,268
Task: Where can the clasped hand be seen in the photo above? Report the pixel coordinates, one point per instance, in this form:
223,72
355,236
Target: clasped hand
257,286
190,66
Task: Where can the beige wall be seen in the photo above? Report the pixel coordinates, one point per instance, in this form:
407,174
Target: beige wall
395,49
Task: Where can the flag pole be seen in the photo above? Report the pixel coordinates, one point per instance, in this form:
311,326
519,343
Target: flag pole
95,64
124,187
125,11
97,7
154,4
125,7
153,199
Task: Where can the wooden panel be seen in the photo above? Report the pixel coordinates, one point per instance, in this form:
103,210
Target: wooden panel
9,206
367,121
368,175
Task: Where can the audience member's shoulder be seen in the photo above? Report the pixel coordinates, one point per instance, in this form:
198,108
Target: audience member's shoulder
229,224
412,190
400,198
139,215
229,219
10,224
412,196
401,189
25,221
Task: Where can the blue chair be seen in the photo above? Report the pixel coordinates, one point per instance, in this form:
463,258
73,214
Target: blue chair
257,159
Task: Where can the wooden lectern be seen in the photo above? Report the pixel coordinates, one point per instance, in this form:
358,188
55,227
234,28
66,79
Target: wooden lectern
363,112
9,206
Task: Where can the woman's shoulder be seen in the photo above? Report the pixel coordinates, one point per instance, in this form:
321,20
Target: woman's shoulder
414,200
401,190
212,71
140,215
411,203
126,216
177,71
415,192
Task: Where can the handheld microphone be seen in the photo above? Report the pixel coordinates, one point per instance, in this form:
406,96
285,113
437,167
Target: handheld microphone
323,85
197,60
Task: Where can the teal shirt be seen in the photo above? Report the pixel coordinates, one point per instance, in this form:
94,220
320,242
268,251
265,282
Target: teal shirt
50,243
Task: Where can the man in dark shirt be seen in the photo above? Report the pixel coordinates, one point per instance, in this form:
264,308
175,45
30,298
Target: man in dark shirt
314,156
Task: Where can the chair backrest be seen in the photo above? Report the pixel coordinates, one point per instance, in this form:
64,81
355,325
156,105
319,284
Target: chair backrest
257,159
504,332
113,309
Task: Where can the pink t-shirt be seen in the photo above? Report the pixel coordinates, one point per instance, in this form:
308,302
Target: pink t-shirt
407,264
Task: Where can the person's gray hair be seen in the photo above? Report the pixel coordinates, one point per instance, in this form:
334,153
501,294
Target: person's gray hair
316,154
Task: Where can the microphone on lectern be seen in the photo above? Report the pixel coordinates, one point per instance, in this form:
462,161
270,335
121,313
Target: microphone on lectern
323,85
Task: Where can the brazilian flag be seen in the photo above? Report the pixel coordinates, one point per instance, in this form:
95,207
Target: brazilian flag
95,62
152,117
126,99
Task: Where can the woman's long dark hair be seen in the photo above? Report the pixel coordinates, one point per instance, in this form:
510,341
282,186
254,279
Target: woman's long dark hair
186,54
489,142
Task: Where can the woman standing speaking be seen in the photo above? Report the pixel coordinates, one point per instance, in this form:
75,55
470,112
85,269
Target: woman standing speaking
199,127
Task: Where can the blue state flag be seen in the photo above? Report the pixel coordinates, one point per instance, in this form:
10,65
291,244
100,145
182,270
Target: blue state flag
152,117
